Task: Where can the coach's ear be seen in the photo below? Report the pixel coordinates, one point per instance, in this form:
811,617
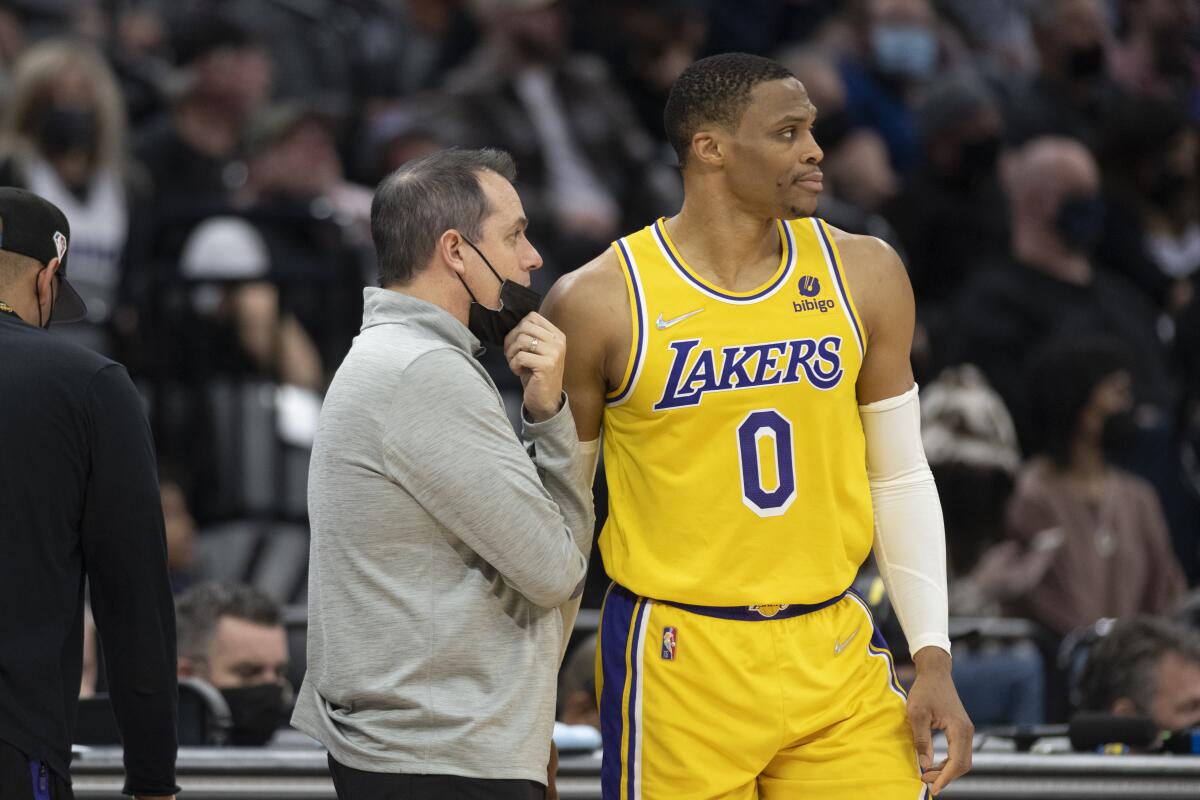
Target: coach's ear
708,148
449,247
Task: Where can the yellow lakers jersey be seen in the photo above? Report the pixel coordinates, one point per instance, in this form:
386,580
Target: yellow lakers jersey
734,453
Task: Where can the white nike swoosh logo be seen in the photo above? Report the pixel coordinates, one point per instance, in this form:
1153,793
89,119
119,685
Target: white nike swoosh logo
838,647
663,324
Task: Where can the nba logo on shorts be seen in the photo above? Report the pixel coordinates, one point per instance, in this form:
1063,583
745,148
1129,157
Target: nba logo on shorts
668,644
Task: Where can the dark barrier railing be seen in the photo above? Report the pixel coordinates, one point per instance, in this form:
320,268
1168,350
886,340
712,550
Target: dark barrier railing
262,774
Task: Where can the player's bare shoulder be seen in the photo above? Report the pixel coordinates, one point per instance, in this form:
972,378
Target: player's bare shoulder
877,277
590,300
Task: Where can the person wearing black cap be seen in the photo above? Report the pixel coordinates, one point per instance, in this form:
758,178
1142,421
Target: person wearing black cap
79,498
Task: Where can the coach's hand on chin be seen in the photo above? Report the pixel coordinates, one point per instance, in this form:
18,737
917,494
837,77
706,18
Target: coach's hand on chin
933,704
536,352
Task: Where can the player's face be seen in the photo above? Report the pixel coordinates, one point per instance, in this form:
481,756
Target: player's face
773,158
503,241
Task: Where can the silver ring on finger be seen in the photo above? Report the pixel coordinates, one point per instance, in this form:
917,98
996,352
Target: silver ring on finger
533,343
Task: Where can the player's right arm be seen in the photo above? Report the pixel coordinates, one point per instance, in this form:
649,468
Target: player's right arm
591,306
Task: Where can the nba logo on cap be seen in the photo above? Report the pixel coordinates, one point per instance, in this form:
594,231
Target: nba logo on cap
60,244
669,643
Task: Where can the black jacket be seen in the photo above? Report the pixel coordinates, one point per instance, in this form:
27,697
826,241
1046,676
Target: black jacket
79,497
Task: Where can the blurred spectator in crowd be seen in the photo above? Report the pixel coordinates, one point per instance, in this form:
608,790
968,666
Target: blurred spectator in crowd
998,30
971,445
585,165
314,223
1145,667
1071,94
391,137
1116,557
182,557
647,46
12,44
63,138
577,686
192,151
951,214
899,49
1156,55
1152,217
140,52
232,637
243,329
1050,284
858,177
408,46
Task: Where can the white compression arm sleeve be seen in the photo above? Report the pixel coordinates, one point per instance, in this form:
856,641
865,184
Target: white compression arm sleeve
910,537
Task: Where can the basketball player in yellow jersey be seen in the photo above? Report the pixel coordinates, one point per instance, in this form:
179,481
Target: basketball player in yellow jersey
749,367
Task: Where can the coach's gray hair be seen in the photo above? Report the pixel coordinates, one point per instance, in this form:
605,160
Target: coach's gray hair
423,199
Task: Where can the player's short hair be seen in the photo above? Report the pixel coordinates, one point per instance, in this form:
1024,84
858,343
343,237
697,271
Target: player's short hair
714,90
1125,662
199,609
426,197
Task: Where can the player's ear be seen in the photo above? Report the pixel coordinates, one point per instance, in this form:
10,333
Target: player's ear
708,148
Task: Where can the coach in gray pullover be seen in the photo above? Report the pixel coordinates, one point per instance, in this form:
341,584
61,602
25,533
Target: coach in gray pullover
442,550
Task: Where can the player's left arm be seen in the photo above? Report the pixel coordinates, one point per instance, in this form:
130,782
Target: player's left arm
910,546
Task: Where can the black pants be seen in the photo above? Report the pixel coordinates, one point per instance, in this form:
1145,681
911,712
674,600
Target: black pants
354,784
18,777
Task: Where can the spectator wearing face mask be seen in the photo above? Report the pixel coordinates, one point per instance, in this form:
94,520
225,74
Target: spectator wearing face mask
900,49
63,138
1072,93
951,213
1049,285
1116,557
232,637
1157,54
1152,194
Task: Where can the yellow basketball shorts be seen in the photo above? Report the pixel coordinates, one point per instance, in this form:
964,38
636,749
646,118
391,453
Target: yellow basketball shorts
773,702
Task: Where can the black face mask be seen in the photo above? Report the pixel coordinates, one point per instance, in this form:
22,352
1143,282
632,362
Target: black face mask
1168,188
1085,64
257,711
1080,222
976,162
65,130
1119,437
516,302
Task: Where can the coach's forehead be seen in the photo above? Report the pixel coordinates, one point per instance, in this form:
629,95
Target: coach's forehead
504,204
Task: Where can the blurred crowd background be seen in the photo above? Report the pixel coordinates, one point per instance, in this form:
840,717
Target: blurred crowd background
1035,162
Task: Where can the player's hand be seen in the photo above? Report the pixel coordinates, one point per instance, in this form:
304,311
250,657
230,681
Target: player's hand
536,353
933,704
552,772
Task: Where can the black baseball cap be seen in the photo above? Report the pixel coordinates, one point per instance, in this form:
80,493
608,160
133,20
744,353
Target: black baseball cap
34,227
